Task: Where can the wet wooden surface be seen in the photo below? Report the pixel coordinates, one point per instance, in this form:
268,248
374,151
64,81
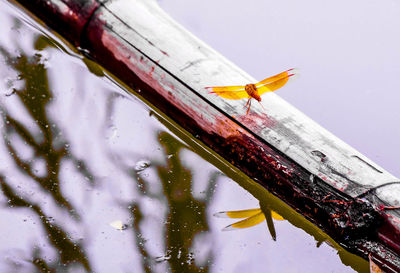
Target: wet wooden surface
318,174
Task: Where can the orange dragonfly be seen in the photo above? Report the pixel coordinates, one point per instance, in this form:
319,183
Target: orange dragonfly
253,91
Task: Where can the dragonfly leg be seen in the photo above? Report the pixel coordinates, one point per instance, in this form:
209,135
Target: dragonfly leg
248,108
247,103
262,105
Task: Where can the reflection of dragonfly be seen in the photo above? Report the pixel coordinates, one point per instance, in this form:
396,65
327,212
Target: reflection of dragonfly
253,91
252,218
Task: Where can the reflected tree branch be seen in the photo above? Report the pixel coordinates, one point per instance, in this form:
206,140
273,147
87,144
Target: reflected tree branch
35,97
69,251
186,217
47,145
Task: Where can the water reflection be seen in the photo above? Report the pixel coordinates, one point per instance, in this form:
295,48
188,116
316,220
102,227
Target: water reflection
185,217
250,218
47,144
41,142
40,150
69,252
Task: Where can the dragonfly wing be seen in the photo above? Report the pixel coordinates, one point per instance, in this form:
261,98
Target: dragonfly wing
237,213
229,92
269,87
279,76
248,222
276,216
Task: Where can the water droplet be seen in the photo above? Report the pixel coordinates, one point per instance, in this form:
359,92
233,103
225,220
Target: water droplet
162,258
142,165
119,225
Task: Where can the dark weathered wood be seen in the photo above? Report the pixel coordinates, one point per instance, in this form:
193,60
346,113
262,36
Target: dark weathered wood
67,17
317,174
